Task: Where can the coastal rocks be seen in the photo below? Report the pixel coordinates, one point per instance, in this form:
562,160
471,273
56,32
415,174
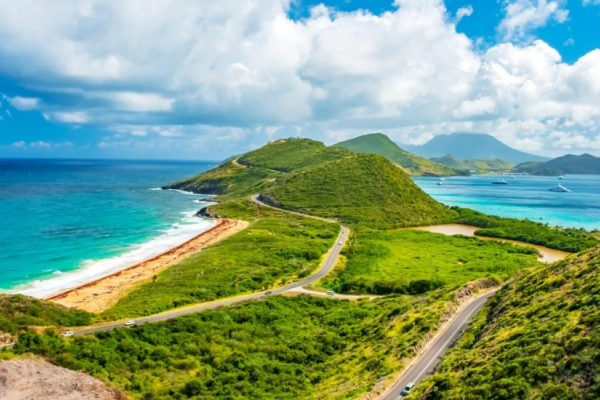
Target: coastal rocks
206,213
32,379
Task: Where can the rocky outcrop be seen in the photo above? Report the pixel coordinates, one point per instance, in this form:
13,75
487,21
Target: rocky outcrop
207,213
33,379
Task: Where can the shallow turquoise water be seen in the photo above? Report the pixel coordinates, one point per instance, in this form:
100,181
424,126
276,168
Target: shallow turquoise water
524,197
68,221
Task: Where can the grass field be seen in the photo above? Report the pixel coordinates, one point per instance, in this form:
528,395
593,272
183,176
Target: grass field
272,250
412,262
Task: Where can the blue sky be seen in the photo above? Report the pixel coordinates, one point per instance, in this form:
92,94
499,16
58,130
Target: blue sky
204,81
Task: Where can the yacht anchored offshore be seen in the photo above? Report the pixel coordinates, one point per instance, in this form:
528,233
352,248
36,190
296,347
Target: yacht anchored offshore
500,182
559,188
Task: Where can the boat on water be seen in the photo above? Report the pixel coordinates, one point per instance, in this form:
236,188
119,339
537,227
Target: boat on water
559,188
561,177
513,177
439,183
500,182
442,179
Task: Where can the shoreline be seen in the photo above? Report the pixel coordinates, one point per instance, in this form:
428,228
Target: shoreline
547,255
101,293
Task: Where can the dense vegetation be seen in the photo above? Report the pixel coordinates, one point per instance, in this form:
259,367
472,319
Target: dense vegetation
270,251
18,312
537,339
569,164
566,239
361,189
278,348
377,143
413,262
478,166
229,179
287,155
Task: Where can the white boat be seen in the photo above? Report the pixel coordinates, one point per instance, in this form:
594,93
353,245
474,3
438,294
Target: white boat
561,177
439,183
500,182
442,179
559,188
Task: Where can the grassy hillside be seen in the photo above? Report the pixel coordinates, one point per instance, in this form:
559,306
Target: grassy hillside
569,164
17,312
479,166
279,348
537,339
377,143
566,239
290,154
361,189
414,262
273,249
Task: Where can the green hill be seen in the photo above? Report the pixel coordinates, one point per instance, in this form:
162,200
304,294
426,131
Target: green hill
478,166
254,171
569,164
537,339
287,155
360,189
377,143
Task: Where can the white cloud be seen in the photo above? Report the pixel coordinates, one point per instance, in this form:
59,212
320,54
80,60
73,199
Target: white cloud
40,145
24,103
523,16
19,145
190,72
463,12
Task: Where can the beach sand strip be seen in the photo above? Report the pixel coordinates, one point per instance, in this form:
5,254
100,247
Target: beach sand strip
101,294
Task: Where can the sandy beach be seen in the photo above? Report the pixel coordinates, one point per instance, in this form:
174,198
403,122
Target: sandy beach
101,294
547,254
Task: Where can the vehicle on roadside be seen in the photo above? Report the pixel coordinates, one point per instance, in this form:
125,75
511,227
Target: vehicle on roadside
130,323
340,243
409,387
67,334
330,293
268,292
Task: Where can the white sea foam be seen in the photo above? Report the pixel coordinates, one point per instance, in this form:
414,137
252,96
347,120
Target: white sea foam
177,234
156,189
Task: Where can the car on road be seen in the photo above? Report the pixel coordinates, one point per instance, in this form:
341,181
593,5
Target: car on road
130,323
330,293
409,387
340,243
268,292
67,334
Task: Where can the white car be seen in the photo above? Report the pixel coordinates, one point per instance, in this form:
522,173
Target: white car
330,293
130,323
340,243
67,334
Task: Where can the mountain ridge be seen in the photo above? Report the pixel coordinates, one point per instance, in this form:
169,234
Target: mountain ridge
567,164
466,146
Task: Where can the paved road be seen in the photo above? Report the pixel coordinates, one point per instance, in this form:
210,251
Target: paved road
325,269
426,362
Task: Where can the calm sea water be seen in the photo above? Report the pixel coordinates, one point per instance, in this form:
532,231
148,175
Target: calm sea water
64,222
524,197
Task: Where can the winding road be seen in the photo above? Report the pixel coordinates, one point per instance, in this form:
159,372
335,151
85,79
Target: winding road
424,364
327,266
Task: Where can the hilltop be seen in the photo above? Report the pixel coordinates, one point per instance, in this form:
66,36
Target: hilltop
378,143
254,171
363,188
569,164
471,146
479,166
537,339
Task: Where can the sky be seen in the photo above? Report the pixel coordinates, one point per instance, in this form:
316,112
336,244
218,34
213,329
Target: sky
200,79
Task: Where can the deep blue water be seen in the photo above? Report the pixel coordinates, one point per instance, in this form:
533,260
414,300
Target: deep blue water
524,197
67,221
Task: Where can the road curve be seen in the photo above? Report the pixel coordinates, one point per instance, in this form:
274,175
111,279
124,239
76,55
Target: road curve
327,266
425,363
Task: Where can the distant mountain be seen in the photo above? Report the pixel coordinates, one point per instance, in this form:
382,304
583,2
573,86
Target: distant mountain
380,144
569,164
471,146
480,166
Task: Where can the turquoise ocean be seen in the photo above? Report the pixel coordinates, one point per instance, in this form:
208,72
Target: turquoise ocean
524,197
64,222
